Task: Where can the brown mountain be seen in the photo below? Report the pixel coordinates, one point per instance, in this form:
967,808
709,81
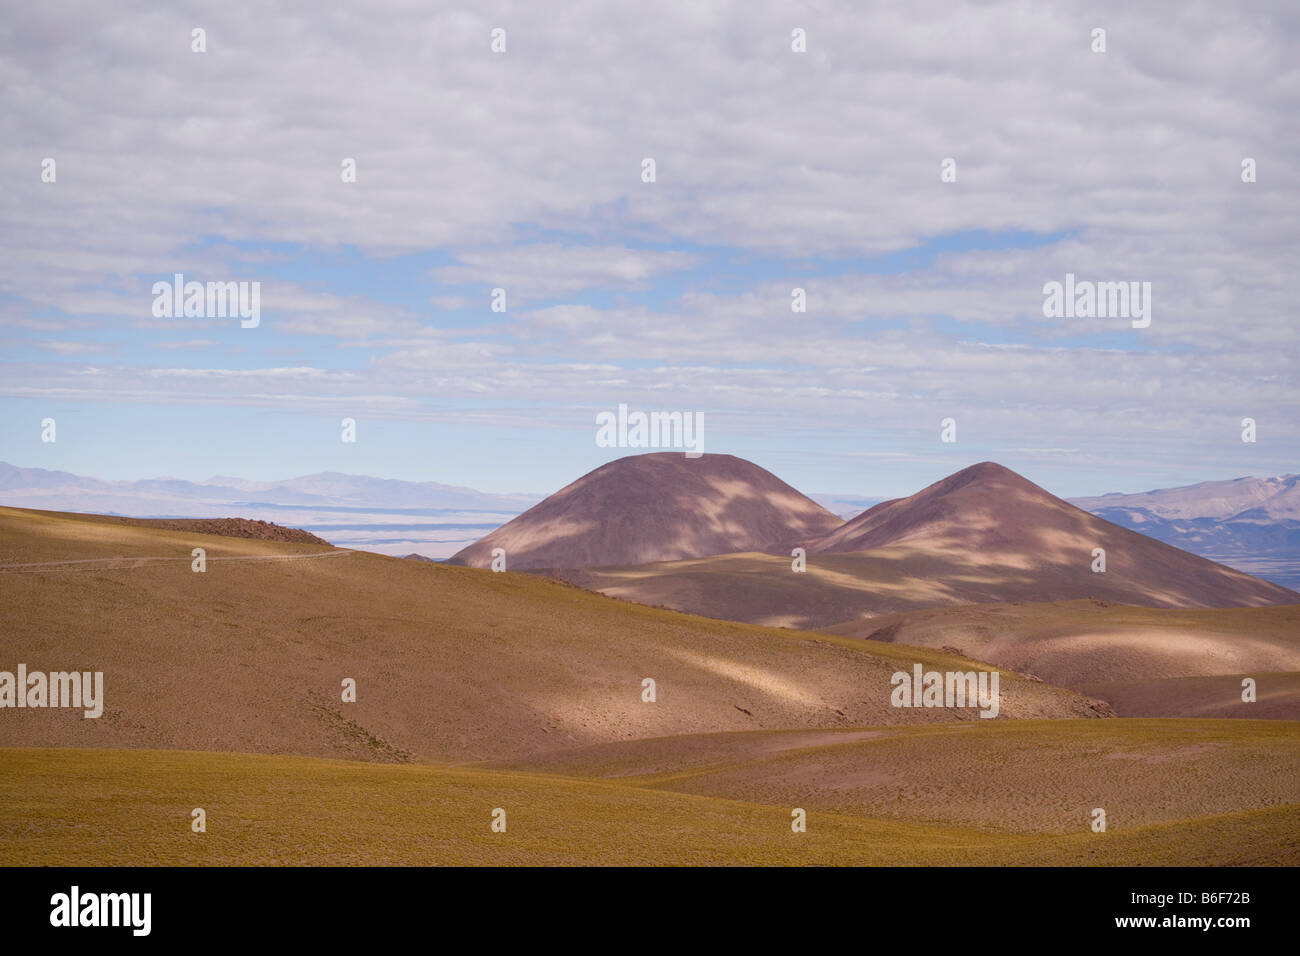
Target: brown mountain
994,517
982,535
656,507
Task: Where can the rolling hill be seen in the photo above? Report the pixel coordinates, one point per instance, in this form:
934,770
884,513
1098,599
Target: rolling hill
1146,662
944,774
450,663
478,690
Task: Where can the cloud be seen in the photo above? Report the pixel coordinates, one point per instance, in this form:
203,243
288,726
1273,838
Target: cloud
546,270
71,348
190,344
774,169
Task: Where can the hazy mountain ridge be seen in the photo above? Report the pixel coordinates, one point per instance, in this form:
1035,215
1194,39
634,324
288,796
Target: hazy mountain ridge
1249,523
1279,498
387,516
323,488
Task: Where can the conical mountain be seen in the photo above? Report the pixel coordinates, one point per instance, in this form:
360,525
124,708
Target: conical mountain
987,522
656,507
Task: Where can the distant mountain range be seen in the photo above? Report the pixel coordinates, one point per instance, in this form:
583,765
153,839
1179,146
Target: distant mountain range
328,488
1248,523
1276,498
352,511
845,506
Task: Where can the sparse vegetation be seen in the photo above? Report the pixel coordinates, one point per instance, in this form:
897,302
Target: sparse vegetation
531,689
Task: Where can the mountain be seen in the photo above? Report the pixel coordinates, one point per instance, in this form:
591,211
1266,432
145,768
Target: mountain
845,506
1279,499
39,487
355,511
656,507
1252,524
982,535
993,515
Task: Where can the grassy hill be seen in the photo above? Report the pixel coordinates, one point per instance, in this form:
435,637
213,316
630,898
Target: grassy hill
1041,777
78,807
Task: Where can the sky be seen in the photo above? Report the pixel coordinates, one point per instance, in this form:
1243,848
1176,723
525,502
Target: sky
775,169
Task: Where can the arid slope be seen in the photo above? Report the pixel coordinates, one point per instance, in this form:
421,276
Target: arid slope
656,507
982,535
1146,661
450,663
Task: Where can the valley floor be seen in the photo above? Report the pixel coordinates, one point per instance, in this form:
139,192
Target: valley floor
1175,792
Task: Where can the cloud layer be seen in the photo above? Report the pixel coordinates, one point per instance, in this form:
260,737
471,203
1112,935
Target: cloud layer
774,170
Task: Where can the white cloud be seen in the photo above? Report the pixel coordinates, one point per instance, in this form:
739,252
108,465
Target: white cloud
523,171
546,270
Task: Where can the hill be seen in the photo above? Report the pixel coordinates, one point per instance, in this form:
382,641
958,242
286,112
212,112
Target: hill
529,694
656,507
450,663
1146,662
982,535
228,527
995,517
353,511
